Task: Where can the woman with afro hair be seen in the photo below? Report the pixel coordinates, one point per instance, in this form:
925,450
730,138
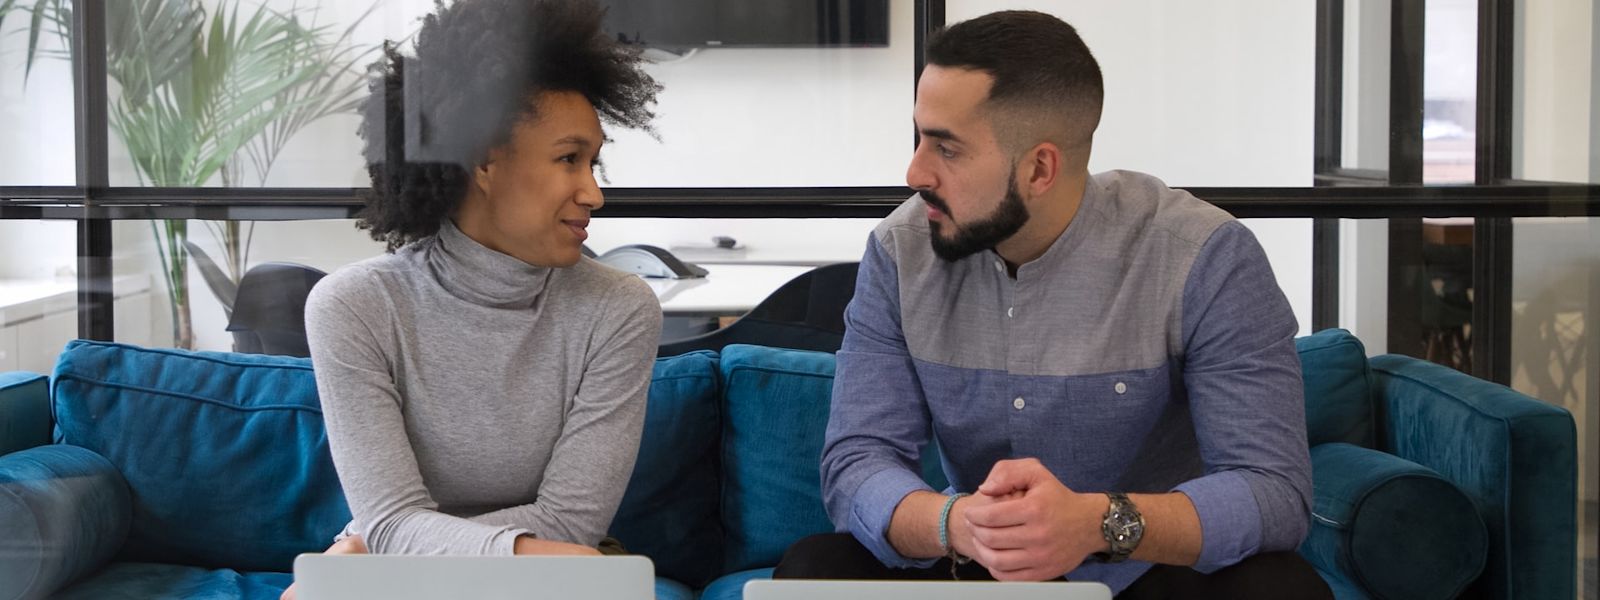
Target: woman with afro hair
484,383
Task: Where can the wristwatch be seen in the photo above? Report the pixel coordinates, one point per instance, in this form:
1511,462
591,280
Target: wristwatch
1122,527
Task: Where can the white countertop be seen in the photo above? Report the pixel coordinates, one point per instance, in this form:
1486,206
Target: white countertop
726,290
29,299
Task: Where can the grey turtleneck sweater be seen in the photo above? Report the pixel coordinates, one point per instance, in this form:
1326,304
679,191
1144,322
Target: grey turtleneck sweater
471,397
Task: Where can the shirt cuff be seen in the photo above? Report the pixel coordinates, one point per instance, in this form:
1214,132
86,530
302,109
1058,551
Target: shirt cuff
1230,519
873,509
505,542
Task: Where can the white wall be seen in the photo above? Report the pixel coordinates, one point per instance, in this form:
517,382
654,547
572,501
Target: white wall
1551,91
36,120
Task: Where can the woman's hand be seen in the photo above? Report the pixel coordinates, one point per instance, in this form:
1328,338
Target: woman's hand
350,545
529,545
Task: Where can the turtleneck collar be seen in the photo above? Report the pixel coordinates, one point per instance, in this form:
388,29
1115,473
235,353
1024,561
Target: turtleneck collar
473,272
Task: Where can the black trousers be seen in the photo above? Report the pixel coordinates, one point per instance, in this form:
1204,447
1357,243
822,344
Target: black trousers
1272,575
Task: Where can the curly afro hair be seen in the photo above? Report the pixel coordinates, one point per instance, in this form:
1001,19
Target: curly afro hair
479,69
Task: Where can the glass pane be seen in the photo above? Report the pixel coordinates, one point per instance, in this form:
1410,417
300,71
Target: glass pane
1555,354
734,113
1184,94
1556,98
1427,295
36,105
1365,110
775,116
188,110
1449,91
38,293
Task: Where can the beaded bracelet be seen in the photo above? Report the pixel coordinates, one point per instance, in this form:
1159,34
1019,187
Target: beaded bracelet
944,535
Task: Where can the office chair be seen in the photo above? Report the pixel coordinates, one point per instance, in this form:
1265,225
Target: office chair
269,312
807,313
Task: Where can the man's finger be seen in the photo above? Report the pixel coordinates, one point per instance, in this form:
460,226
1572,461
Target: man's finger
1004,560
1009,476
1007,538
1007,513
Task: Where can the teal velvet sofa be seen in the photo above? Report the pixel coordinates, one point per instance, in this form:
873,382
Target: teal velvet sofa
134,472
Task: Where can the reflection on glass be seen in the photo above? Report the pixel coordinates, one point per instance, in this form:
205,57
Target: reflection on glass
36,110
1555,354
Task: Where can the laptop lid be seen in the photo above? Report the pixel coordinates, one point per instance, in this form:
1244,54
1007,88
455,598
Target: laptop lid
796,589
393,577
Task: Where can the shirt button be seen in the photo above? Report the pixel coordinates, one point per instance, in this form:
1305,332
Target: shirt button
1011,311
1018,403
1000,266
1122,388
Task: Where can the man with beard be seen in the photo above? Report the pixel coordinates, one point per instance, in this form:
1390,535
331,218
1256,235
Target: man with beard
1107,364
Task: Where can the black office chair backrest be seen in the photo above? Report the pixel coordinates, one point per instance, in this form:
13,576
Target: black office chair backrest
269,312
807,313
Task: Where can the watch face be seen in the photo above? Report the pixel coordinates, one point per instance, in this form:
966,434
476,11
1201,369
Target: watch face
1124,527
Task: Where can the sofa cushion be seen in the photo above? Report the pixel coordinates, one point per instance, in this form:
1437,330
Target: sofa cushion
669,512
775,414
146,580
64,512
225,454
1338,389
1396,526
731,586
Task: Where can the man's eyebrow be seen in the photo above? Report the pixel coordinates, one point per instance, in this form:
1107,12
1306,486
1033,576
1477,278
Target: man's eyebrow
938,133
575,139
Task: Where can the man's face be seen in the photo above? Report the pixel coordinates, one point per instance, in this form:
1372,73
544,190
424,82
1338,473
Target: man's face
959,168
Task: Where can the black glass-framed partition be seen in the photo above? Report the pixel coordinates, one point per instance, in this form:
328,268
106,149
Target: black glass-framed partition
1423,173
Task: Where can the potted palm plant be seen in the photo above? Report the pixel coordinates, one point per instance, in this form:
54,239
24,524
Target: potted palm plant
202,96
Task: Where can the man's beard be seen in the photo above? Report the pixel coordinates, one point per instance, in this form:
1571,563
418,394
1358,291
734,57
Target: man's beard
999,226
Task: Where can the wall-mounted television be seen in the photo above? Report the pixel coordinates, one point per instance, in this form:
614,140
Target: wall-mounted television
678,25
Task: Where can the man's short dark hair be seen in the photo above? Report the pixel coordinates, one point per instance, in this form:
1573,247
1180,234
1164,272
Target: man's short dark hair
479,70
1047,86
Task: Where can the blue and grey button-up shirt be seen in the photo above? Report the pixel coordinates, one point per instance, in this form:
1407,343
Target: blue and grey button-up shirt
1149,350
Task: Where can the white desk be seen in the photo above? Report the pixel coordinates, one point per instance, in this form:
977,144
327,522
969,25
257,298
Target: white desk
726,290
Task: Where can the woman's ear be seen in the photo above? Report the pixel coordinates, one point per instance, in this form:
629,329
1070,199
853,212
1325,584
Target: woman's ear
483,177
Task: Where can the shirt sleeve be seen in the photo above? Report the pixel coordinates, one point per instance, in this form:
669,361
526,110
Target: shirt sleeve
593,459
372,453
879,420
1247,400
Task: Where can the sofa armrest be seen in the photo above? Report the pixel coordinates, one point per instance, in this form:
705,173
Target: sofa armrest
1515,456
24,411
65,511
1389,527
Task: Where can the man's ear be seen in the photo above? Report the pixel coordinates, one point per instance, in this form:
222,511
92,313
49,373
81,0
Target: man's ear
1041,167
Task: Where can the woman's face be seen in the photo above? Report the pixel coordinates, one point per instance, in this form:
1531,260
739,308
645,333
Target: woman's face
533,196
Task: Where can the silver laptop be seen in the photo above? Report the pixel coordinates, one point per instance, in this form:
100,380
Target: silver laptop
342,577
796,589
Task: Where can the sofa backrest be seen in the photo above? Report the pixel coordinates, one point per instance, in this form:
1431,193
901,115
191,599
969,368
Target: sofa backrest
1338,389
225,454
